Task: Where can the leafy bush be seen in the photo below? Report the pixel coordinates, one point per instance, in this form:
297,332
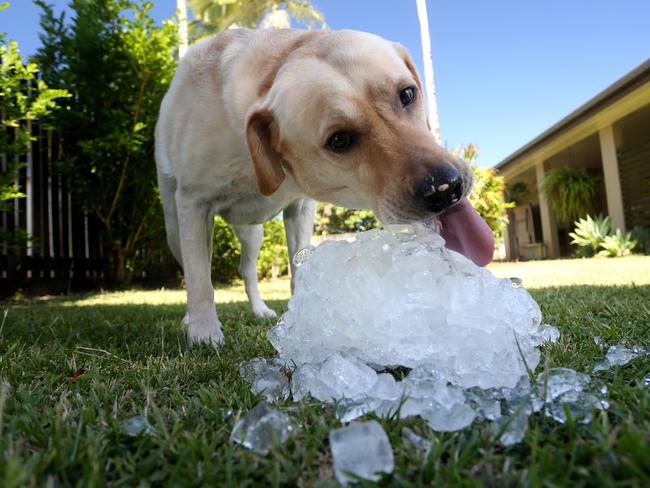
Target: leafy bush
618,245
570,192
274,258
642,236
23,99
331,219
226,251
589,233
487,196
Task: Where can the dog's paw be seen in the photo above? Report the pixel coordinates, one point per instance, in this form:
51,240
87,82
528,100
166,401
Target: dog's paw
202,333
261,310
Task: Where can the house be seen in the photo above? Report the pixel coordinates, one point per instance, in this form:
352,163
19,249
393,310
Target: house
608,136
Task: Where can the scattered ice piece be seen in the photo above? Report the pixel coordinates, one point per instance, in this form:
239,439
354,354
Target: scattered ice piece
545,333
580,405
338,376
522,397
137,426
602,364
620,355
261,428
419,443
448,418
399,297
267,377
556,381
486,403
510,430
362,450
646,381
600,342
348,409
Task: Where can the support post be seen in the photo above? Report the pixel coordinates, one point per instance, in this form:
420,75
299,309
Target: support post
549,223
612,177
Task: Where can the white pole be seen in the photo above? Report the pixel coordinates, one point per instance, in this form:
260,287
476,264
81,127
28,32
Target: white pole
183,43
429,80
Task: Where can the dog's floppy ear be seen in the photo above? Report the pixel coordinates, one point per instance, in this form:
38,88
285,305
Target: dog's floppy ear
404,54
262,137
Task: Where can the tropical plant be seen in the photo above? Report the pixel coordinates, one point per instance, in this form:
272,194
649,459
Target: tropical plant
24,99
618,245
331,219
642,236
589,233
213,16
118,63
570,192
487,195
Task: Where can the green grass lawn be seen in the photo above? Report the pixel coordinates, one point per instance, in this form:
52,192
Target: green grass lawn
78,366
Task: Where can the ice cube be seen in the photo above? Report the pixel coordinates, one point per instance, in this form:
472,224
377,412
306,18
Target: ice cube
136,426
579,404
620,355
419,443
266,377
556,381
361,450
600,342
510,430
486,403
261,428
448,418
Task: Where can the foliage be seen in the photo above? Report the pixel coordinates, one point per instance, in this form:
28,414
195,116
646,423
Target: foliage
24,99
642,236
517,192
618,245
570,192
487,195
331,219
589,233
118,63
226,251
213,16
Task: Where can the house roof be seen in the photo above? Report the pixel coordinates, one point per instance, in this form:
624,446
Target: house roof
638,76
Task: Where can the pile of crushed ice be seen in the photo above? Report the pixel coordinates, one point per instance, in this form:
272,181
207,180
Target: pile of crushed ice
396,303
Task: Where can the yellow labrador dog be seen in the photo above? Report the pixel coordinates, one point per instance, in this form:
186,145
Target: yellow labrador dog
259,121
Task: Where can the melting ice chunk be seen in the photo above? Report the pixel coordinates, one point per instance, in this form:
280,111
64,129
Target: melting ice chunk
418,443
619,355
361,450
137,426
399,297
267,377
261,428
510,430
645,382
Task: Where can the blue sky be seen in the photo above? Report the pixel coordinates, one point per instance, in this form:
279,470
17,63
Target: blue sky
505,69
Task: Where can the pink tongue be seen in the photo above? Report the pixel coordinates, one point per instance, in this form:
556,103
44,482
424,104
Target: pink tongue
467,233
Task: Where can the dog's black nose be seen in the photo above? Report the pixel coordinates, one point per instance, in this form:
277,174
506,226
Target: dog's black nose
440,189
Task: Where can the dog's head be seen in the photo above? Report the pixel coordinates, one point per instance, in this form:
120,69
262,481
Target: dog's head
344,116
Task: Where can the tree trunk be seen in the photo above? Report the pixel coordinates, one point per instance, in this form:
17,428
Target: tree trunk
429,80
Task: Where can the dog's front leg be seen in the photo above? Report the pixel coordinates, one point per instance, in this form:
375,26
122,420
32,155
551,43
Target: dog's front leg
298,227
195,222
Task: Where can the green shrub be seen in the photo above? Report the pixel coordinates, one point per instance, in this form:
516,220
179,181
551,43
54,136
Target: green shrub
226,251
642,236
589,234
570,192
331,219
618,245
274,258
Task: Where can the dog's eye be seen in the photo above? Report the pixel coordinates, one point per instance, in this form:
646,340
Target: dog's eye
340,142
407,95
